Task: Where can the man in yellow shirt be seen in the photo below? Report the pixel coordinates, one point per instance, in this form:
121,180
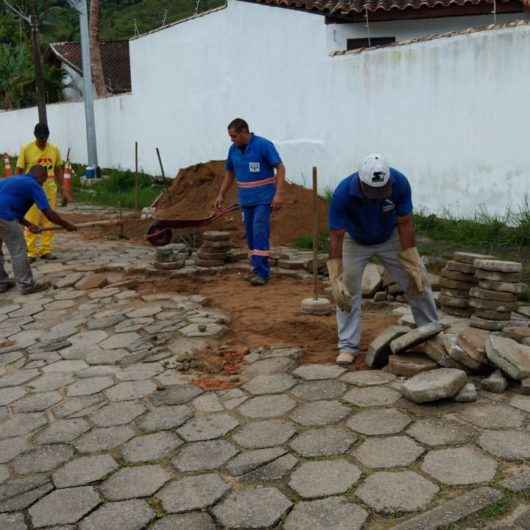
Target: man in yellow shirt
42,153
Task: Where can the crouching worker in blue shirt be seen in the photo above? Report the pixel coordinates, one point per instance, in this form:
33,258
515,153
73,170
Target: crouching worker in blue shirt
371,215
259,172
17,195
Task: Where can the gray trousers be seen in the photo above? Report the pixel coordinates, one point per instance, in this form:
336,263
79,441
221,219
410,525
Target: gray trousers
355,257
12,235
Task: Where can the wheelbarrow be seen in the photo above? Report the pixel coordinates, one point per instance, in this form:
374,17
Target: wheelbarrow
160,232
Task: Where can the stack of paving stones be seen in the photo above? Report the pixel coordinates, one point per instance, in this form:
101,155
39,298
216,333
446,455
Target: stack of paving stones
171,257
457,278
215,249
495,296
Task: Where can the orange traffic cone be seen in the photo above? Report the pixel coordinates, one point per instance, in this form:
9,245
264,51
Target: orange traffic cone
8,170
67,183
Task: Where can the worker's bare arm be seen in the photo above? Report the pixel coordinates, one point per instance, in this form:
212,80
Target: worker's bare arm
55,218
336,239
406,232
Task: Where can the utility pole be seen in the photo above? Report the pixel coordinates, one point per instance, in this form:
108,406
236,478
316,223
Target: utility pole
88,90
33,22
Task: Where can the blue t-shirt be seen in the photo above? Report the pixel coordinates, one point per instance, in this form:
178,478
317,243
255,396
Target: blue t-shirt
256,161
17,196
369,221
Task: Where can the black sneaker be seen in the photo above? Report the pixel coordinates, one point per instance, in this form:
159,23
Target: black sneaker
35,288
49,257
4,287
32,259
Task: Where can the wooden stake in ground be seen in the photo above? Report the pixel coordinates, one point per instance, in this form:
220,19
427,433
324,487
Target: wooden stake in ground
316,227
316,305
136,200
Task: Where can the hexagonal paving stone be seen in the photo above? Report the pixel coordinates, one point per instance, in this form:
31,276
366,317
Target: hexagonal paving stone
63,431
258,508
492,416
4,473
66,506
150,447
376,396
139,372
13,521
131,515
368,378
204,456
84,470
267,433
394,451
270,384
165,418
323,442
193,493
434,432
176,395
459,466
87,387
65,366
144,311
250,460
509,445
120,340
78,406
104,439
21,424
319,413
378,421
52,381
117,414
19,377
20,493
42,459
335,513
314,372
10,394
207,403
134,482
207,427
324,478
130,390
37,402
319,390
267,406
274,470
188,521
403,491
12,447
521,402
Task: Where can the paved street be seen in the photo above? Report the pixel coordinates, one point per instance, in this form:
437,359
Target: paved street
100,430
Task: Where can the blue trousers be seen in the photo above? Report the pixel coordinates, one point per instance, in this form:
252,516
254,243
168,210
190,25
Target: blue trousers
258,227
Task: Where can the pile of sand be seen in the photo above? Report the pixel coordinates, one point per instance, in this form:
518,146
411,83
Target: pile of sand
192,196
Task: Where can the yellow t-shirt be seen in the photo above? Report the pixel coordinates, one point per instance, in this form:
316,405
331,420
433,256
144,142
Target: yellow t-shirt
31,155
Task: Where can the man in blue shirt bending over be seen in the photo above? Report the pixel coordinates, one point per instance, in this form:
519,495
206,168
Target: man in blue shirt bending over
17,195
257,167
371,215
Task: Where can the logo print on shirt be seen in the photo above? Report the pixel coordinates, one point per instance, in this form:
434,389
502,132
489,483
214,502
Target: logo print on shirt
254,167
388,206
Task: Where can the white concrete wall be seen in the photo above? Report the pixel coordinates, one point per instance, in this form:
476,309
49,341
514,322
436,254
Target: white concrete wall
402,30
452,114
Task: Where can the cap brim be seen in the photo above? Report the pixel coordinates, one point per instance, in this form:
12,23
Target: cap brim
370,192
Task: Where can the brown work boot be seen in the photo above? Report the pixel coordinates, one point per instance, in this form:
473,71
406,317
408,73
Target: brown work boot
35,288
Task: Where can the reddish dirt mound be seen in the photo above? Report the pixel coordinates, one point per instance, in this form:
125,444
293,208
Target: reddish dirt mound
192,196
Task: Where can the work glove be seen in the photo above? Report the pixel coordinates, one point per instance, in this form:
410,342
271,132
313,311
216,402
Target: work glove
342,296
411,261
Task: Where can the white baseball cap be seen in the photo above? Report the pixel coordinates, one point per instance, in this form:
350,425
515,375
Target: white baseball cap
374,175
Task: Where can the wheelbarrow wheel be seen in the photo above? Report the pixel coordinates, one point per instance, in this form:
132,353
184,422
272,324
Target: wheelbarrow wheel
159,235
